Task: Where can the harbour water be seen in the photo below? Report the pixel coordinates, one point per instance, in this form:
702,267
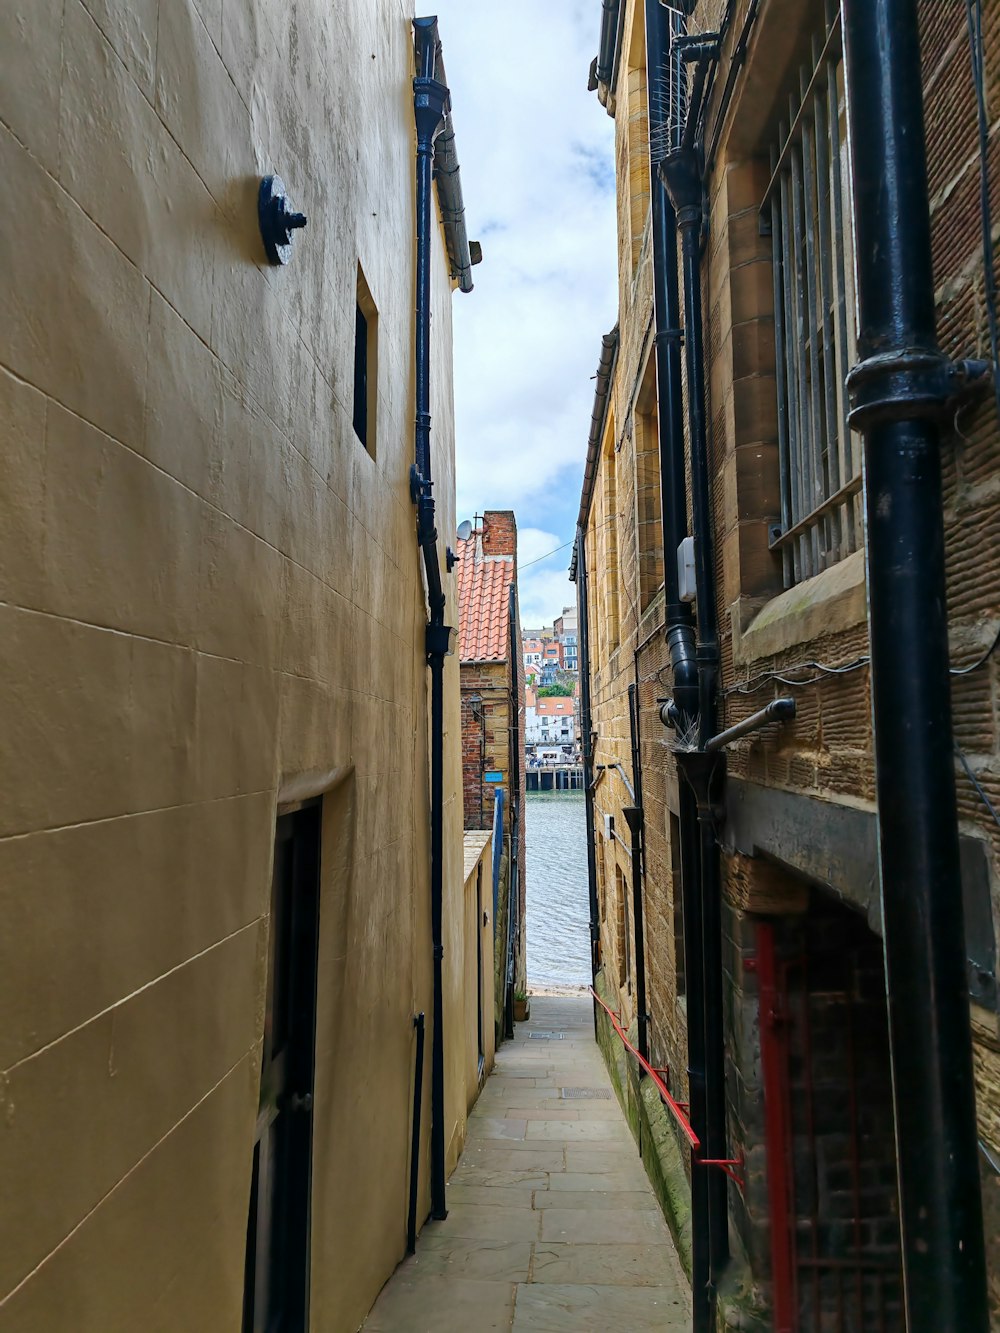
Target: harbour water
558,912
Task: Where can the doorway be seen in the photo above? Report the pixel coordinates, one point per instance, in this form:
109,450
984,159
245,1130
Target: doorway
276,1277
831,1153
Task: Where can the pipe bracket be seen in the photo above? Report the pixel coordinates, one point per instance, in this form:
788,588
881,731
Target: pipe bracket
276,219
911,383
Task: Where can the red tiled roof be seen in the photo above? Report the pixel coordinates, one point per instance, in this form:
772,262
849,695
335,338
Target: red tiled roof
555,704
483,603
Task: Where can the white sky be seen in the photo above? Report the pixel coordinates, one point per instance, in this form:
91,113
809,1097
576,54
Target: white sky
537,157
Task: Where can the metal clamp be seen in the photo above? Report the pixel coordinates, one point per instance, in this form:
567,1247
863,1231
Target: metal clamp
277,220
911,383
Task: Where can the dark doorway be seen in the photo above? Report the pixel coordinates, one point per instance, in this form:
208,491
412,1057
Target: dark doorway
276,1281
831,1157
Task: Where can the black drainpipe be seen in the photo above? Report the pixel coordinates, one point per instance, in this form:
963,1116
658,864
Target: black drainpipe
679,626
682,176
635,818
579,573
430,102
901,383
514,896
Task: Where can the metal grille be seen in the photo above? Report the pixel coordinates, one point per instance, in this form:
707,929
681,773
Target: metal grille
546,1036
595,1094
835,1247
807,210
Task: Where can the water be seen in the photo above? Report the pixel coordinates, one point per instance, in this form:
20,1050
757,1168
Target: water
558,924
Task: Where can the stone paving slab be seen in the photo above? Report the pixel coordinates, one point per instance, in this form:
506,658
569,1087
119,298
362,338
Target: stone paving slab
552,1226
433,1304
555,1308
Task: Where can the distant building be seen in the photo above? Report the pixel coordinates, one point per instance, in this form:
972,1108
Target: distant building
493,709
565,630
551,721
531,651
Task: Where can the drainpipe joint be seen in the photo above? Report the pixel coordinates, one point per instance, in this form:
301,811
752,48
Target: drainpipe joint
431,103
699,769
904,383
681,178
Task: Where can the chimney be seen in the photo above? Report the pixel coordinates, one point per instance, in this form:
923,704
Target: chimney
499,533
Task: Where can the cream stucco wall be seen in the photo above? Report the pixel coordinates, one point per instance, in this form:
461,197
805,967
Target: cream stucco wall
208,589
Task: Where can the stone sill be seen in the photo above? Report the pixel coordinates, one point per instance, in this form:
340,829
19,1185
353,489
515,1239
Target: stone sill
829,603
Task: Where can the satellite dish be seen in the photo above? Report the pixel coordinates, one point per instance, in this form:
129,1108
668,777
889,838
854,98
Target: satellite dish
464,531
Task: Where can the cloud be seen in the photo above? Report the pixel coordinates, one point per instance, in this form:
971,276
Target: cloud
537,157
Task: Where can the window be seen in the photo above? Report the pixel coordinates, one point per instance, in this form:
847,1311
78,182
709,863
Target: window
365,365
807,209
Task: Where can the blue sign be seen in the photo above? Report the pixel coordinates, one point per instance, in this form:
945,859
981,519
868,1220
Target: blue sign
492,777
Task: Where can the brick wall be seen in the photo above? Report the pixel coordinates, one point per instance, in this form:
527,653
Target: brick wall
485,737
499,533
827,751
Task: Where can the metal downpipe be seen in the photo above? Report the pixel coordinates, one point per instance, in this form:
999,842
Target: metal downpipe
583,623
439,1210
635,818
418,1094
679,624
900,382
430,100
681,175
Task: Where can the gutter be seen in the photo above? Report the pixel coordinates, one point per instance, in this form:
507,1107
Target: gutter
598,419
462,253
604,67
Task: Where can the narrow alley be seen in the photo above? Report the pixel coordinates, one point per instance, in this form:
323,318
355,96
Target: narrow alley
552,1225
499,505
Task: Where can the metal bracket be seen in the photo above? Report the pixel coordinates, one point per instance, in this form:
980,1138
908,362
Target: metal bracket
911,382
276,219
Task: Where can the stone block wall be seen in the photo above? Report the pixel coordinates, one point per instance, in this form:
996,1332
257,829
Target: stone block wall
826,753
211,600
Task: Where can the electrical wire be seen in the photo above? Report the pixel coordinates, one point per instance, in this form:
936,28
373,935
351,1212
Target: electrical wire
756,683
980,662
538,559
789,676
974,25
980,790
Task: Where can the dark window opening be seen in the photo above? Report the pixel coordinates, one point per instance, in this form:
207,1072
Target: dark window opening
361,377
365,365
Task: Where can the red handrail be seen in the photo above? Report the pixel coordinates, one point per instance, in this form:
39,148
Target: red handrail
664,1092
726,1164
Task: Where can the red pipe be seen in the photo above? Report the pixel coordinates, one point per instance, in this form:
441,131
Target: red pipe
773,1056
672,1106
